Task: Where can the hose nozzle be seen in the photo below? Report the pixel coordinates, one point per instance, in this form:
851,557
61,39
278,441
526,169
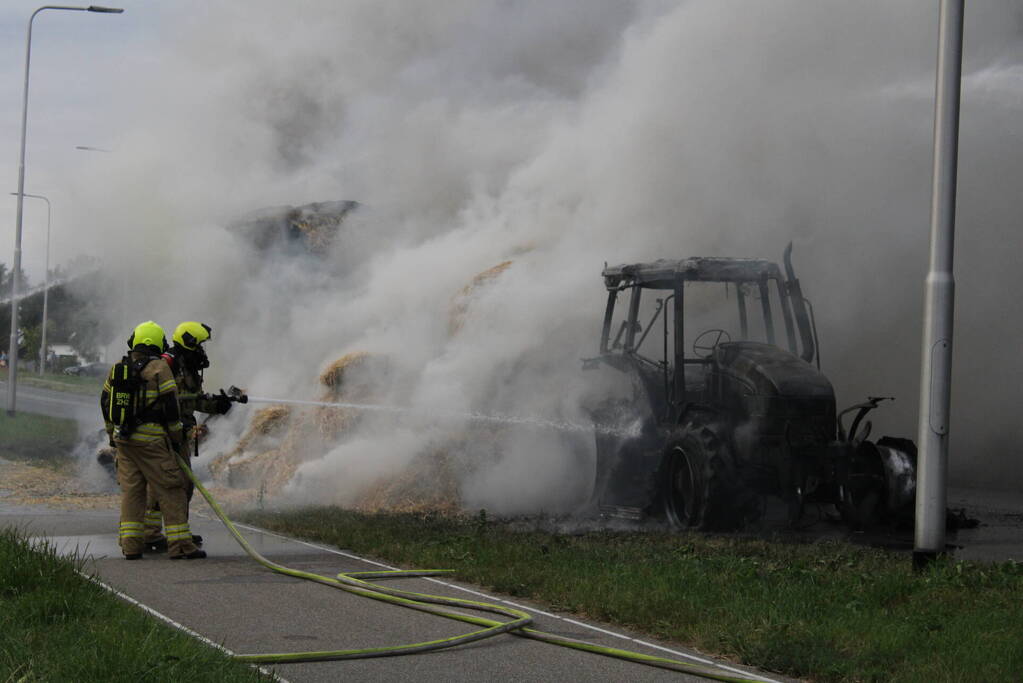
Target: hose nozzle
237,395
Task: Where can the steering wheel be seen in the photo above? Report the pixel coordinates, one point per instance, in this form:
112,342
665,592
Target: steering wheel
704,350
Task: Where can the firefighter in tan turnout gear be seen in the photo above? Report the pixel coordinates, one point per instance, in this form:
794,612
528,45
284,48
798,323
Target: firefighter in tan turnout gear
187,360
140,409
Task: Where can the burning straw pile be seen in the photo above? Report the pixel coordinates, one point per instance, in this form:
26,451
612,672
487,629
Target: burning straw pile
254,457
281,438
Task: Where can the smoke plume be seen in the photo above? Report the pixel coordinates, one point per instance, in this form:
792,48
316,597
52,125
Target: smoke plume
558,136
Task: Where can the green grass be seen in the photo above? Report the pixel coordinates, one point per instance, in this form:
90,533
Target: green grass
57,382
57,626
825,611
37,439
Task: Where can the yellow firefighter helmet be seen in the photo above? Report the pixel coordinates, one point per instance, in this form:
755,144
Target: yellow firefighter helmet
190,334
148,334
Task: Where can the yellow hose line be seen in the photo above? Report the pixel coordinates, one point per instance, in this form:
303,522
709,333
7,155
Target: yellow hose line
519,618
352,583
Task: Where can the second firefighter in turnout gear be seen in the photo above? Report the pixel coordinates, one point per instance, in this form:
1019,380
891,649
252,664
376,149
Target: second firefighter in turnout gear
140,410
187,360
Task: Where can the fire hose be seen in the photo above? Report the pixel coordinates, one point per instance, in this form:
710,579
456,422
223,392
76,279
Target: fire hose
358,583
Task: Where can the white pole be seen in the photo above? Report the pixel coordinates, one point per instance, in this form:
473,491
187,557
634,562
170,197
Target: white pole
12,348
46,291
12,352
46,282
939,307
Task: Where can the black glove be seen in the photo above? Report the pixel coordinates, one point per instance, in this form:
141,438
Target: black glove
222,403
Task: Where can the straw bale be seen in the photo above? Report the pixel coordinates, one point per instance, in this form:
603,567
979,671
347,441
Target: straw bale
334,375
316,236
276,442
355,377
270,420
266,429
303,435
461,301
219,466
310,228
317,224
272,449
428,483
278,473
332,422
257,469
431,481
279,440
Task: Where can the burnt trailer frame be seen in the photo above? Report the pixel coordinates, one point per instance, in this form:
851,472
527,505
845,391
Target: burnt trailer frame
719,429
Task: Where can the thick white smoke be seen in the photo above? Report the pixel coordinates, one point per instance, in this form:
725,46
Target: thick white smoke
560,135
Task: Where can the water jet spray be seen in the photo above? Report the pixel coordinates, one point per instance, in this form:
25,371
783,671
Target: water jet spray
509,420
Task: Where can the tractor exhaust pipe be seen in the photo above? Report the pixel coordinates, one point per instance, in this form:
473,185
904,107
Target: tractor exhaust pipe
795,293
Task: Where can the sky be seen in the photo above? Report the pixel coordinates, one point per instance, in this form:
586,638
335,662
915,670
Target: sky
555,135
76,67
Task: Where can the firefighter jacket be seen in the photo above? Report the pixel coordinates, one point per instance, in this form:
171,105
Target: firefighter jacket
189,383
160,418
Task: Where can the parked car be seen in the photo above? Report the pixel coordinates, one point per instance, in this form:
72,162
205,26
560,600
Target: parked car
88,370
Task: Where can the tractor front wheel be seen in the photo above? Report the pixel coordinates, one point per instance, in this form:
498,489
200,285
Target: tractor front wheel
697,486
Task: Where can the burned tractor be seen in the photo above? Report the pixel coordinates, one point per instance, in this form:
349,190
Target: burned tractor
703,432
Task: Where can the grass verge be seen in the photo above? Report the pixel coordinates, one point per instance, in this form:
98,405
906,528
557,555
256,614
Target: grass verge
826,611
37,439
58,382
57,626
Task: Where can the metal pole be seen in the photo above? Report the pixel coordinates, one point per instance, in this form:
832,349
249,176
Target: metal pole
12,349
936,371
46,294
12,352
46,282
46,287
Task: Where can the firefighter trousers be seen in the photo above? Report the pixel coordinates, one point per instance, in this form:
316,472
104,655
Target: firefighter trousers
154,516
152,464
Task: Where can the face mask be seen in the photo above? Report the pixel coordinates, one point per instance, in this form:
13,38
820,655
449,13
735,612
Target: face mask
201,360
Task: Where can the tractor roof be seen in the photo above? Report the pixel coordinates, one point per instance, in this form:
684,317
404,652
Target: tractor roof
663,274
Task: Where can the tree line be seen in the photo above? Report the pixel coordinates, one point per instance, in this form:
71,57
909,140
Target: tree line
74,312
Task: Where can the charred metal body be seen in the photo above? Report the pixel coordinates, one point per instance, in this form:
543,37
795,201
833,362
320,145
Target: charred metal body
717,429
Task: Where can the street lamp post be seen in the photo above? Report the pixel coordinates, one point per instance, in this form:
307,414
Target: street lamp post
939,305
46,283
12,377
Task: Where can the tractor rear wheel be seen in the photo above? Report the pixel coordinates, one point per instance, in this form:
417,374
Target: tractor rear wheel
697,485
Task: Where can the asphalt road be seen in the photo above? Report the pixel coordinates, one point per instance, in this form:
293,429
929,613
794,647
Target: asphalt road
81,407
233,601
